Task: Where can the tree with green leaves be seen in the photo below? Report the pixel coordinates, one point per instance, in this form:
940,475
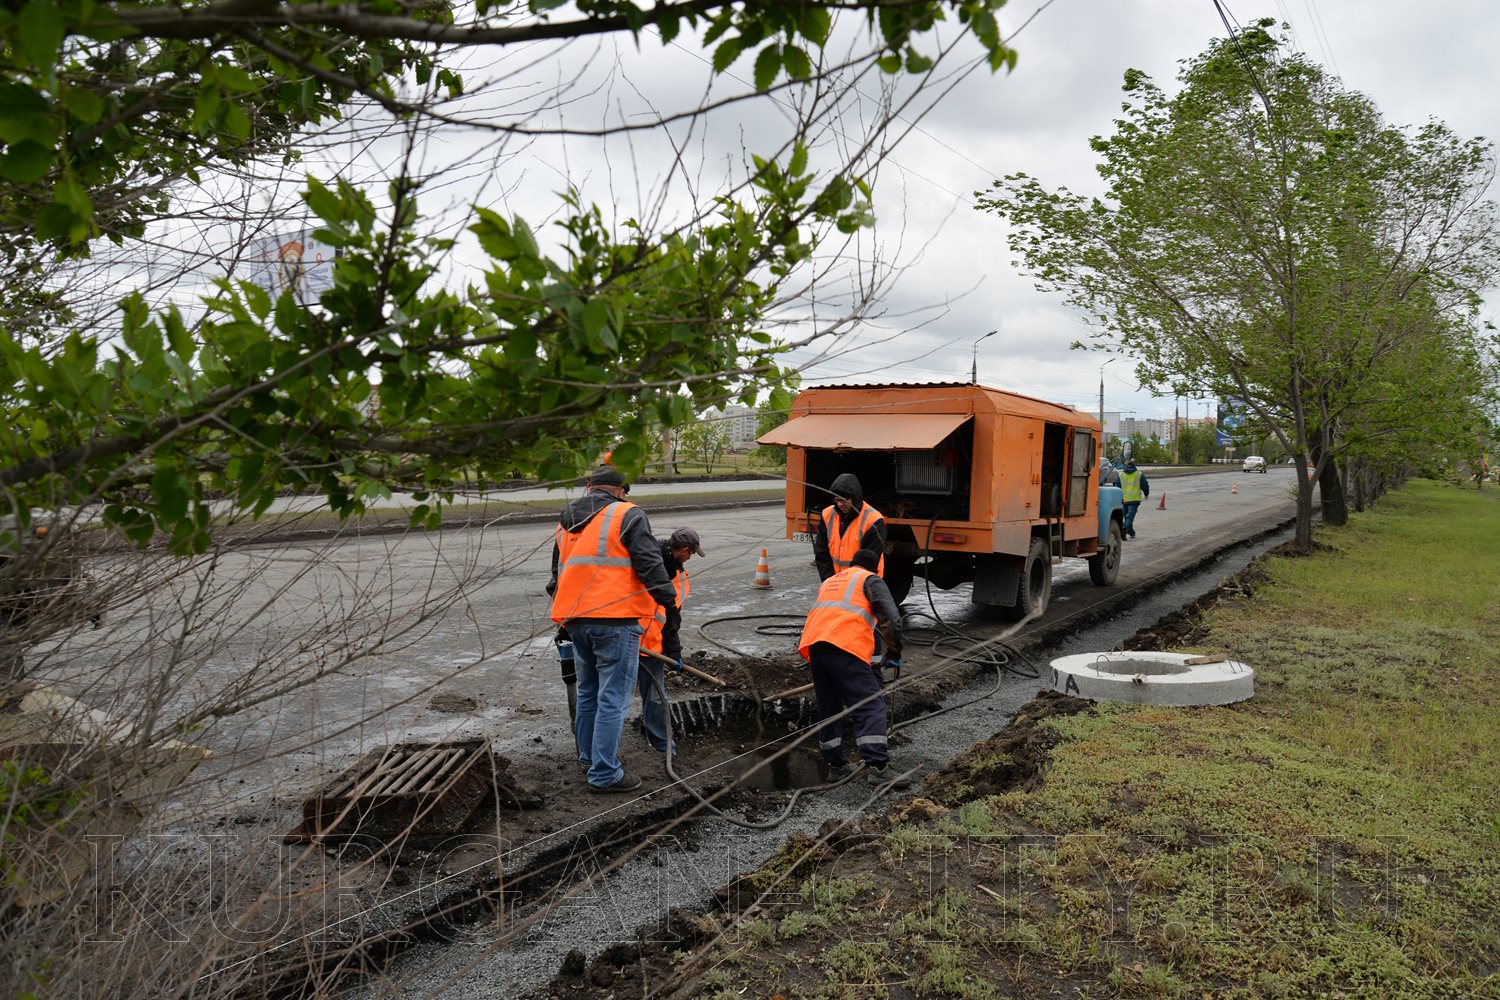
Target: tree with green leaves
771,414
552,350
705,440
1266,235
470,331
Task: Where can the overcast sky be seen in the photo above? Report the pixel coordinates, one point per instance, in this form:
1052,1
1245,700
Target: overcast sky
1416,60
954,279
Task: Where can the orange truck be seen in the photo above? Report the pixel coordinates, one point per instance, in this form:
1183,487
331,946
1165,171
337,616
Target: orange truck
976,485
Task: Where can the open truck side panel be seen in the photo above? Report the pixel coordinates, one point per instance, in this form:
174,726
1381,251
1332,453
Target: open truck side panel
976,485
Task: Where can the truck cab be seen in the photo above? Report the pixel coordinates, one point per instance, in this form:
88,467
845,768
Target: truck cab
976,485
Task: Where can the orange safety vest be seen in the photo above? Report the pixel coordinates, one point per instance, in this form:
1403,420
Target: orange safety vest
657,623
842,615
843,544
594,575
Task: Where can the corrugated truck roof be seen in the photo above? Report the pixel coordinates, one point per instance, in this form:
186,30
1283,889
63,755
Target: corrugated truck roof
933,397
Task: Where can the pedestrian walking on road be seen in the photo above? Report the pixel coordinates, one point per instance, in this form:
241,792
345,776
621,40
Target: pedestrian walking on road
1109,473
848,525
664,638
607,577
838,643
1137,488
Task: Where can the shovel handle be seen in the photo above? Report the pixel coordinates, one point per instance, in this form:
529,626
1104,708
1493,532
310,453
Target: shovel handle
690,669
788,693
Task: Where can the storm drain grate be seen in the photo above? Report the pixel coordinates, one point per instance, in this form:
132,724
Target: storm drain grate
402,790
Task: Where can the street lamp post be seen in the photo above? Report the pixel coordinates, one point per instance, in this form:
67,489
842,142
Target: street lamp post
974,362
1101,397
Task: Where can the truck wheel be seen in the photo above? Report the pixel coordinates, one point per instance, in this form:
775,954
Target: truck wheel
898,576
1035,589
1105,567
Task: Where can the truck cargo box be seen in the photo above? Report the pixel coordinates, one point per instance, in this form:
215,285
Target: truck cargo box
976,485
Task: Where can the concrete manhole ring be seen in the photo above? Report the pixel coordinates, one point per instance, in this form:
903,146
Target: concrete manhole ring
1149,678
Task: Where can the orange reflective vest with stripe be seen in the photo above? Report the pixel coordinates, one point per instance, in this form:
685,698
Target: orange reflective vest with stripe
594,575
843,543
657,623
842,615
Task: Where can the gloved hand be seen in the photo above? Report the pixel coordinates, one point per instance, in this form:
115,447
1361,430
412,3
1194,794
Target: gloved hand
893,664
671,647
675,666
562,635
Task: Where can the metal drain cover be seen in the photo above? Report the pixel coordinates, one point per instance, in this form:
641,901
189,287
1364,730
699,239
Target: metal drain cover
420,789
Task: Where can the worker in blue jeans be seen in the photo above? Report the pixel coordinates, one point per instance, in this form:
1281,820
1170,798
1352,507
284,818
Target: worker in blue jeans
607,576
1133,482
604,657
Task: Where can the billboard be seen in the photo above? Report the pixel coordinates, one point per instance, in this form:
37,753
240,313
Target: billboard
295,261
1231,419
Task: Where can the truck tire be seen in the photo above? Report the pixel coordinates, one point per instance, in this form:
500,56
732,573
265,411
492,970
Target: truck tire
1035,588
1105,567
898,576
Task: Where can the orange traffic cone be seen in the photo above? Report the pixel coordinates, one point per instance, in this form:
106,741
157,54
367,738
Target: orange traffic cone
762,579
1234,487
1163,504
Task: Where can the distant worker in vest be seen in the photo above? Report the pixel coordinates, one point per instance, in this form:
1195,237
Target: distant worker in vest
1133,482
848,525
663,637
838,642
607,578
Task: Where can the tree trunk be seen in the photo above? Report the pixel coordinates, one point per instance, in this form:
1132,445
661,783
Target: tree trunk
1358,477
1304,509
1331,486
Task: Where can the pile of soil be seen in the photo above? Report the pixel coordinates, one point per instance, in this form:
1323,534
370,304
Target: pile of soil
757,677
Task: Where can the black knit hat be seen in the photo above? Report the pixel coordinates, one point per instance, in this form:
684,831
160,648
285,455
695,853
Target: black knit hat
867,559
606,475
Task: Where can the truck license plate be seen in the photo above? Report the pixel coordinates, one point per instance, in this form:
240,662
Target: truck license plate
802,536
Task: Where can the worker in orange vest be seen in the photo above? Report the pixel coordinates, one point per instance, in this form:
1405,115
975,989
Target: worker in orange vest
664,639
848,525
607,577
838,642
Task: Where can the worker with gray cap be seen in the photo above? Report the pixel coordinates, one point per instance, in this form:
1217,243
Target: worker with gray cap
607,579
663,637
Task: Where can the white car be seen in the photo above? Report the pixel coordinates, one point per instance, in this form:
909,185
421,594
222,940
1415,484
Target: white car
1254,463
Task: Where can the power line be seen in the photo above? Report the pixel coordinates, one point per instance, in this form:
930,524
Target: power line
1322,35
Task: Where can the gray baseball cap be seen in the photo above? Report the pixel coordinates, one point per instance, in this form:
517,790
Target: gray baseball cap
686,538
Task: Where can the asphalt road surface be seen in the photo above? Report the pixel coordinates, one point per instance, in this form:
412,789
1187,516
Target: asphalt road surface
388,620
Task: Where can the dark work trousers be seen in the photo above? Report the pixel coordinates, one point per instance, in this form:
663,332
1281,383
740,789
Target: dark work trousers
841,680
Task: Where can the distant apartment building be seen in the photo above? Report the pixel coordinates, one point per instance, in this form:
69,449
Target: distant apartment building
1151,430
741,422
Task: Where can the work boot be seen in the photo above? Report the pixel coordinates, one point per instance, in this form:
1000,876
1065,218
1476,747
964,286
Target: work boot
838,772
886,775
627,783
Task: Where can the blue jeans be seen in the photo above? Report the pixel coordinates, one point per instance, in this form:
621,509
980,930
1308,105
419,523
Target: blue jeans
605,658
653,705
1130,509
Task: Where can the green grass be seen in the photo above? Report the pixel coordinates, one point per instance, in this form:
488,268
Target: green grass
1337,835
